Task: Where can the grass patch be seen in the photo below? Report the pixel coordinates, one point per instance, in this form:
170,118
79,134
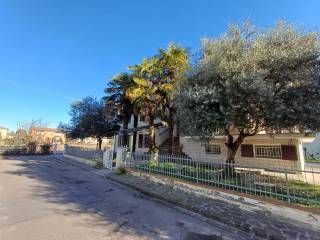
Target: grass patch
122,170
313,161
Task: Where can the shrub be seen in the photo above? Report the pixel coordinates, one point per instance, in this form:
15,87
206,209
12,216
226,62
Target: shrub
32,147
45,148
122,170
13,149
99,164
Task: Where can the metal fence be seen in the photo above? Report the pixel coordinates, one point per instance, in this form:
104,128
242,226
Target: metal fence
87,153
301,187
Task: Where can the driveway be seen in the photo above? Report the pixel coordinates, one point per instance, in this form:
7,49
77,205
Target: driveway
50,198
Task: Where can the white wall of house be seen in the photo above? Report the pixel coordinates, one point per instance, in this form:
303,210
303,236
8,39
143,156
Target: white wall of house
196,150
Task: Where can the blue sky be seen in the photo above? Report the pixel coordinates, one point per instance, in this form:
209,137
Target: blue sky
53,52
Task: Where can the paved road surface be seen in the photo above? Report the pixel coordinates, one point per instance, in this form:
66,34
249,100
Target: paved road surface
47,198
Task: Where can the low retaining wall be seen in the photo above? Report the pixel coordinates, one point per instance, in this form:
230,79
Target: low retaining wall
13,149
80,159
86,153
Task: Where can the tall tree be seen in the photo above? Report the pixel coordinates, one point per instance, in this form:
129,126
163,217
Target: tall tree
145,94
88,119
118,105
174,63
154,87
250,80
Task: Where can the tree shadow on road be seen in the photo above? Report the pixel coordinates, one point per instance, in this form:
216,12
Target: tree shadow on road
76,191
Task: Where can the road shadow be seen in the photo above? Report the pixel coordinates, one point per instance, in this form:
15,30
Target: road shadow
78,191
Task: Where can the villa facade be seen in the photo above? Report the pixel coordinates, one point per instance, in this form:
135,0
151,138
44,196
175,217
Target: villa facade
281,150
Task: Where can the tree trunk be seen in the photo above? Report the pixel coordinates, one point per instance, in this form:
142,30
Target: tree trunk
152,135
134,140
126,119
171,130
99,140
232,147
178,130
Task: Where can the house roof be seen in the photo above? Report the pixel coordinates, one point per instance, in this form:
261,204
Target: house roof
3,128
44,129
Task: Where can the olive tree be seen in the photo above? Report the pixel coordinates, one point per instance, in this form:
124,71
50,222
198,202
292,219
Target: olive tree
250,80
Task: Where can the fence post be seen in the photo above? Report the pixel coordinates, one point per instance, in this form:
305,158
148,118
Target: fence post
287,186
197,166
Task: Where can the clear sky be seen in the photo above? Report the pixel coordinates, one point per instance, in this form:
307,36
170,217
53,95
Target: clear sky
53,52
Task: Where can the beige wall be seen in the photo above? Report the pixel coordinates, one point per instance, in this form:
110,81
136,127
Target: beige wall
47,136
196,150
3,133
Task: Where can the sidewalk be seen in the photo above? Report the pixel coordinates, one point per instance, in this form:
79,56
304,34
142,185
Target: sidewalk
84,164
257,218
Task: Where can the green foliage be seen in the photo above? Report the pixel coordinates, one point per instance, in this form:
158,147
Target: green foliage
88,119
242,181
250,80
118,105
99,164
122,170
154,85
165,165
148,89
312,160
45,148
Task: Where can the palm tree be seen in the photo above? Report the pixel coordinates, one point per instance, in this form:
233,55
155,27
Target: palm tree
145,94
117,103
153,91
174,63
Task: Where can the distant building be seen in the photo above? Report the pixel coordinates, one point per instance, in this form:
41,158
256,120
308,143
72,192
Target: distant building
47,135
3,133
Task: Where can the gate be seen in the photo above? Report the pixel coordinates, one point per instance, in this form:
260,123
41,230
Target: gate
107,158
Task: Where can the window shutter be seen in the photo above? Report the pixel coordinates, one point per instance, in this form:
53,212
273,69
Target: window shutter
247,150
140,142
289,152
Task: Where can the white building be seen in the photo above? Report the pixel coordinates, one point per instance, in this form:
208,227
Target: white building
283,150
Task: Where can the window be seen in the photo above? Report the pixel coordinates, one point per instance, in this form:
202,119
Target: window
216,131
120,140
247,150
267,151
140,141
213,149
144,141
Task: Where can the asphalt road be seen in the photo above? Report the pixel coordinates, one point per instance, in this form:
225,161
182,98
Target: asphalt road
47,198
